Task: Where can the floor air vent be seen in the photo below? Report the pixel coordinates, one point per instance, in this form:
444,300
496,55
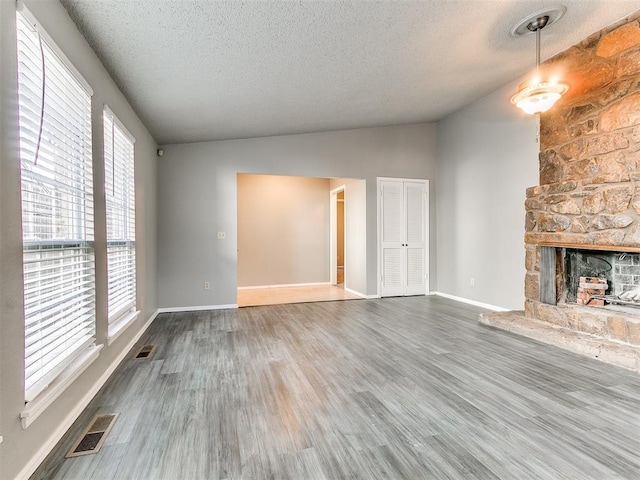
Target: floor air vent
145,351
93,436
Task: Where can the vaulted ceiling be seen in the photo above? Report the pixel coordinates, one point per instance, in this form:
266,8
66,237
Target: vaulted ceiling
198,70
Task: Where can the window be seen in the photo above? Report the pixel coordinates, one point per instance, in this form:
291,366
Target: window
57,208
121,217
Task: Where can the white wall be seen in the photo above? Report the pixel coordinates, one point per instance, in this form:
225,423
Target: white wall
21,448
198,197
487,157
283,230
355,232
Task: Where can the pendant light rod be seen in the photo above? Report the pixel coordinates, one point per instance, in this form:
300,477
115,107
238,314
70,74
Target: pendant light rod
535,26
538,50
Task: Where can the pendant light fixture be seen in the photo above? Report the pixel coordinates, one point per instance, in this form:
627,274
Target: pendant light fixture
538,95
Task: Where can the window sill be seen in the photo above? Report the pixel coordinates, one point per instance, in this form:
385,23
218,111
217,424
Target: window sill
36,407
121,325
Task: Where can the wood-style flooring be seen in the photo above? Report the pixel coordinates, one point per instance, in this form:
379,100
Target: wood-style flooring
398,388
254,297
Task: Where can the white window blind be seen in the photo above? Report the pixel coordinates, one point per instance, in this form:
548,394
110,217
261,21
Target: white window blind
121,217
57,208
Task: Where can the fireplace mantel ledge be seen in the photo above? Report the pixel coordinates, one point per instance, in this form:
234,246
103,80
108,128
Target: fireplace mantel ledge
591,246
574,240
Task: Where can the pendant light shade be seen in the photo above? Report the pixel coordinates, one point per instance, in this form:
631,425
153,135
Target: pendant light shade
538,95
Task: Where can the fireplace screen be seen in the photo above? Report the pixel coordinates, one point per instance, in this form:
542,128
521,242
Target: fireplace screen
599,278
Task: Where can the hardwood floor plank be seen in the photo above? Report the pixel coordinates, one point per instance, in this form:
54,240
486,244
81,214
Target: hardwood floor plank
398,388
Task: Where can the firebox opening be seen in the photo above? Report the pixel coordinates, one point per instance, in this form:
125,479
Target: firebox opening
600,278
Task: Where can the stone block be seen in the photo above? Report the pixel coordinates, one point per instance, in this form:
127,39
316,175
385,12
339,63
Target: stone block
531,257
582,169
605,221
553,131
608,237
532,285
629,63
623,114
591,324
617,329
615,92
580,113
633,332
530,222
535,191
606,143
561,187
587,127
553,199
551,167
573,151
547,222
617,199
632,236
530,308
533,204
593,203
619,40
579,225
568,207
587,77
609,178
552,314
635,200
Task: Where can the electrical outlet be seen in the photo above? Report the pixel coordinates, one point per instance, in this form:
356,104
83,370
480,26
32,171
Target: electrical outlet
207,285
472,282
221,236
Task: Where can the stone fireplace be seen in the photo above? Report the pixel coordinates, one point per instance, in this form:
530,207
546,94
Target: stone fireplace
582,235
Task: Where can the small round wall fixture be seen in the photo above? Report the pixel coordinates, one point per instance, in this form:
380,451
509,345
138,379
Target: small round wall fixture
538,95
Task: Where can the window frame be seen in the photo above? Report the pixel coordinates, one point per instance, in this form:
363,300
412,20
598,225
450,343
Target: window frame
41,392
124,205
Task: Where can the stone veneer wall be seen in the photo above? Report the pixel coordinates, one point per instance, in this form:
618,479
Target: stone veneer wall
589,192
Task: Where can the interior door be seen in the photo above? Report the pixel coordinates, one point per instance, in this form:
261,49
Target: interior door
403,237
415,279
392,237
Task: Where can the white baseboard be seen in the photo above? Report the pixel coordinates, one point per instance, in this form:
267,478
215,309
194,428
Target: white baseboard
73,415
360,294
286,285
197,308
472,302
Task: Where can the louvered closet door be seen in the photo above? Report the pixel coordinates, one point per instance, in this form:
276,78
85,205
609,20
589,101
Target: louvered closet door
403,237
392,238
415,251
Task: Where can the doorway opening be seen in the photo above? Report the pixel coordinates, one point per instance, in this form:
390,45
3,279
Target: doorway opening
287,233
337,236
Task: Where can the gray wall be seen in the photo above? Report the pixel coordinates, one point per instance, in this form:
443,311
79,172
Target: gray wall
20,445
487,157
198,197
283,230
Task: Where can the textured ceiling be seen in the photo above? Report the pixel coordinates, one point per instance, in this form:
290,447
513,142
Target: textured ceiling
211,70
